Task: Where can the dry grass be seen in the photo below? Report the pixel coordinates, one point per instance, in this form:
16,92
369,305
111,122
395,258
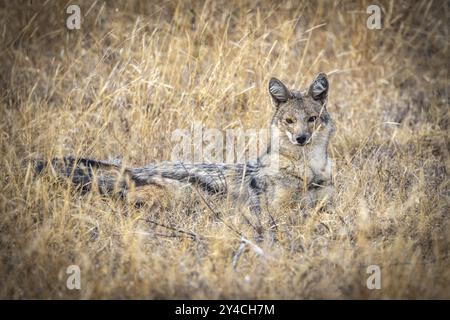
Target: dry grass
137,70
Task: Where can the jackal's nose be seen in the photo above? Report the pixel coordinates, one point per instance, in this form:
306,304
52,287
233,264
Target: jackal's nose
302,139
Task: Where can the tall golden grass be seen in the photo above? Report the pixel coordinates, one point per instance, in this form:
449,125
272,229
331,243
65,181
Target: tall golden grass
138,70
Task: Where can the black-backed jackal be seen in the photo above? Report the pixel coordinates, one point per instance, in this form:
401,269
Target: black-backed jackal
302,173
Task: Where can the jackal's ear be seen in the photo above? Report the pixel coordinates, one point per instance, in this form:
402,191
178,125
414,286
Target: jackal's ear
278,91
318,90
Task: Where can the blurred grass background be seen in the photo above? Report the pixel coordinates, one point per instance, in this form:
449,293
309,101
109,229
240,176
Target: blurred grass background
138,70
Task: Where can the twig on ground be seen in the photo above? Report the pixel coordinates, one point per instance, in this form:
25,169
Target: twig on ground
186,233
243,244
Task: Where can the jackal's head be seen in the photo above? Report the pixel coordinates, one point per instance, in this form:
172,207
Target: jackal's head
301,116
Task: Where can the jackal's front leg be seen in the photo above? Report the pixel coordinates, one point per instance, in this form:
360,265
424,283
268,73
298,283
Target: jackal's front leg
264,219
255,210
321,196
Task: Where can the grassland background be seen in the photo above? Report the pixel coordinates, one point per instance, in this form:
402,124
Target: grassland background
137,70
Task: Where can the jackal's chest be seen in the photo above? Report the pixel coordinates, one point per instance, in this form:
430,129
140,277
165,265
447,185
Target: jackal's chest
284,194
300,186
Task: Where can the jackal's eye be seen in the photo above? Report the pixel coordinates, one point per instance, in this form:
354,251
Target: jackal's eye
312,119
289,120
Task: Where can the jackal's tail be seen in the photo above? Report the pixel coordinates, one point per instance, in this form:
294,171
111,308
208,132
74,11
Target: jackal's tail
115,179
85,173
